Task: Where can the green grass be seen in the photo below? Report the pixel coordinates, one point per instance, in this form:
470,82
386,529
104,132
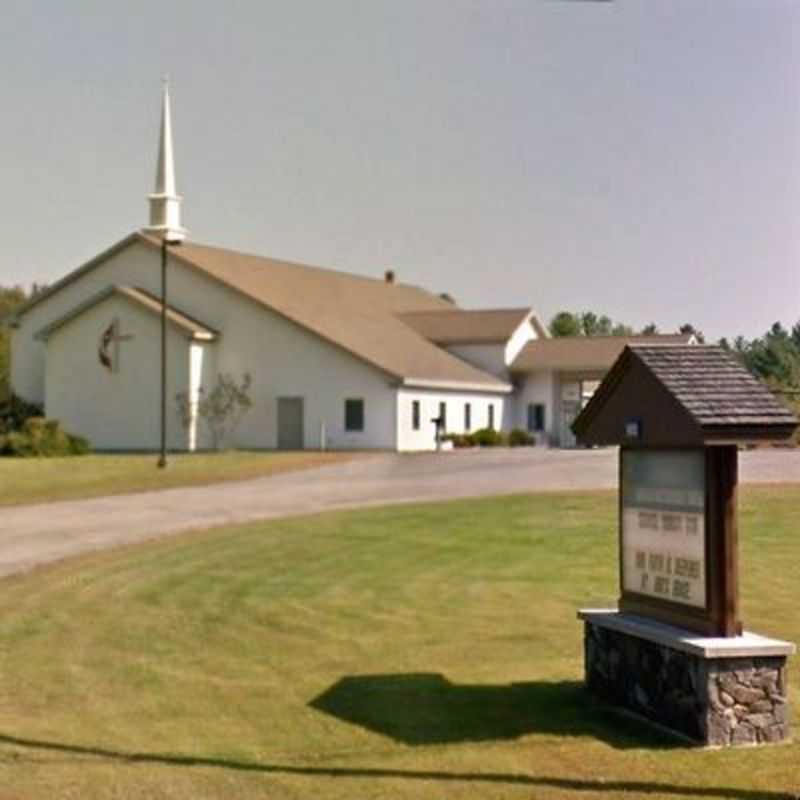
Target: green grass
414,652
38,480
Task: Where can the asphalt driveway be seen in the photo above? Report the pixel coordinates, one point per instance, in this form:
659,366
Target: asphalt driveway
33,535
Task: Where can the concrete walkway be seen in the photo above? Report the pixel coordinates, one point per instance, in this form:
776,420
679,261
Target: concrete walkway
33,535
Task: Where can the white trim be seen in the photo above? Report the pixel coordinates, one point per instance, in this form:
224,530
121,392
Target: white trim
457,386
132,295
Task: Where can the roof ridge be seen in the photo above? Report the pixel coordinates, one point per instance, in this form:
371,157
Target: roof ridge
470,373
515,310
335,271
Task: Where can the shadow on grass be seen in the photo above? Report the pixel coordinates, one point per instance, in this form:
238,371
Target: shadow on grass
425,708
640,788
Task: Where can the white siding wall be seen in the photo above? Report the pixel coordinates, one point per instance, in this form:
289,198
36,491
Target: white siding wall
495,358
521,336
121,409
425,437
283,359
134,266
287,361
489,357
539,387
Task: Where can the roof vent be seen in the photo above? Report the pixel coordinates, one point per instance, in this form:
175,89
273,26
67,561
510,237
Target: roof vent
388,276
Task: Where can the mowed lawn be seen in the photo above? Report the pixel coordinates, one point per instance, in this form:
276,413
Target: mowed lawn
38,480
413,652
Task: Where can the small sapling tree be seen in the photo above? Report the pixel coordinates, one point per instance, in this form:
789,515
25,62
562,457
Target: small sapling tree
221,409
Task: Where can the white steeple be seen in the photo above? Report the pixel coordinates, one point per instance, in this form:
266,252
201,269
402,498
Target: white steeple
165,204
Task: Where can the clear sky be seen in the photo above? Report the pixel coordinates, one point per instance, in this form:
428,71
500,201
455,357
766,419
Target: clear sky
639,158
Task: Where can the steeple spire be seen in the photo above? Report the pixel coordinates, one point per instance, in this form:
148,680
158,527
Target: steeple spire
165,203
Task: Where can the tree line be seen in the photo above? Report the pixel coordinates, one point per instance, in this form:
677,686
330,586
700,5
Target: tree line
589,323
773,357
11,297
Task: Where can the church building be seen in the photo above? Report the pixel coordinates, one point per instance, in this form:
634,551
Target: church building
335,360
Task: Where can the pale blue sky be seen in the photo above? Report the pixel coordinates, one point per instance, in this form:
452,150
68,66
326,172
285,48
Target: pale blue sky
640,158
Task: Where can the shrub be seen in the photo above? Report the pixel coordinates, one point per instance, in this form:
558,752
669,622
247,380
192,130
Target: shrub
520,438
15,411
221,409
78,445
42,437
487,437
459,439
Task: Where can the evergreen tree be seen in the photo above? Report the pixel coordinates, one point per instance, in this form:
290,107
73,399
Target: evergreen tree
10,298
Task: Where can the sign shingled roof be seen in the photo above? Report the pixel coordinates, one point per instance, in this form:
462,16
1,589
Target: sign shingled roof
681,395
713,386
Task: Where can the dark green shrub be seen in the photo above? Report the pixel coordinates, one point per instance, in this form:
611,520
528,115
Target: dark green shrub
78,445
459,439
42,437
14,412
520,438
15,444
487,437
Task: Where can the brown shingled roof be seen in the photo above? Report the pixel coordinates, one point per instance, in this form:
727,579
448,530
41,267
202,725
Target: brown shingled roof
356,313
572,353
459,326
714,387
681,395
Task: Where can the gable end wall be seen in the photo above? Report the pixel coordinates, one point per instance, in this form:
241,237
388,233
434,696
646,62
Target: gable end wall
283,358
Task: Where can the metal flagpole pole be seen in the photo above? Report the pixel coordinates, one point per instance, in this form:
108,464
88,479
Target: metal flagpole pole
165,222
162,461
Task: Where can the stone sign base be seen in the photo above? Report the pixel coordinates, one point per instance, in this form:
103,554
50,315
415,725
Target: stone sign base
717,692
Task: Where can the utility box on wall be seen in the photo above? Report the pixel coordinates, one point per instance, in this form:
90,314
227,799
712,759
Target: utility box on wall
674,651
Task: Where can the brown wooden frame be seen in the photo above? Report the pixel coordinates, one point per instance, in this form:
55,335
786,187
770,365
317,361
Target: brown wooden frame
720,617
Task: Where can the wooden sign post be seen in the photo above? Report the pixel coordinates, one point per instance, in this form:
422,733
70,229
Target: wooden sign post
674,651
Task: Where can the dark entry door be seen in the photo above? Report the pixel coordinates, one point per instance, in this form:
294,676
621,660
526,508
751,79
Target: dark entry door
290,423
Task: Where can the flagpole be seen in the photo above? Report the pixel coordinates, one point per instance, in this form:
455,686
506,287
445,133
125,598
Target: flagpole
162,461
165,223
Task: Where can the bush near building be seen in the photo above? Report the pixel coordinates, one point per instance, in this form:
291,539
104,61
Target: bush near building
42,437
521,438
14,411
24,431
488,437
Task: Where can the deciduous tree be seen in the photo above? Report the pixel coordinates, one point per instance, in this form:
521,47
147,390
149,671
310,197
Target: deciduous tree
10,298
221,408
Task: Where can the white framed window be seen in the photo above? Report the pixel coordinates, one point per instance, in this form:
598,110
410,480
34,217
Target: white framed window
415,415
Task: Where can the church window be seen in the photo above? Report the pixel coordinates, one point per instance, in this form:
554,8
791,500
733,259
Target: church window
354,414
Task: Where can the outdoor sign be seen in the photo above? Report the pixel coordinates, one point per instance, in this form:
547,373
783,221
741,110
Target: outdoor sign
678,413
663,539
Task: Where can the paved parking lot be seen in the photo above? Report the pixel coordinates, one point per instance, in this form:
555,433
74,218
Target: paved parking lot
31,535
